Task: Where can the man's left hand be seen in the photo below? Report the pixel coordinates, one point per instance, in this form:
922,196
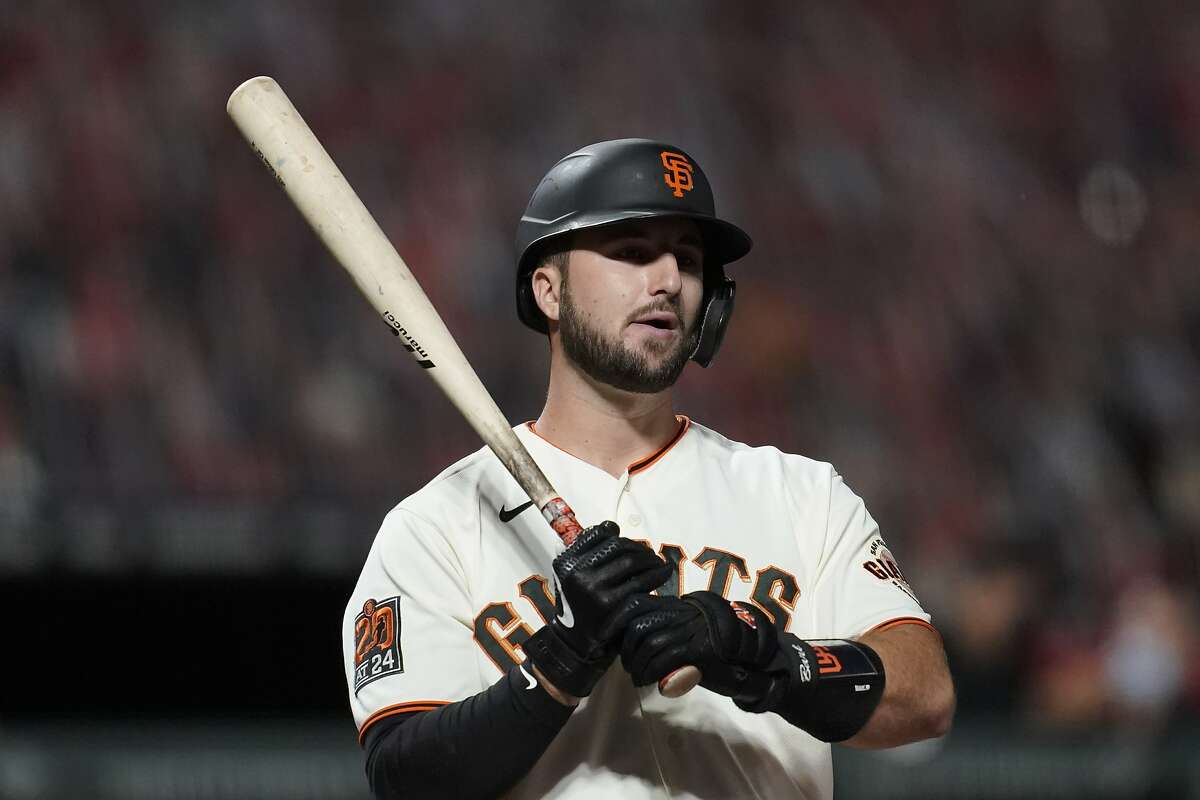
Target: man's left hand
730,643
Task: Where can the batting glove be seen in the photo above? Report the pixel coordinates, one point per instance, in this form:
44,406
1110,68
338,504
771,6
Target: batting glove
596,579
730,643
828,688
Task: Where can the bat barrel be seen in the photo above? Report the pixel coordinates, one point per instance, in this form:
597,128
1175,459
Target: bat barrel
291,151
301,166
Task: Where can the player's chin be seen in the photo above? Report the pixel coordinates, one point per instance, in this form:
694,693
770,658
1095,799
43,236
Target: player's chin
656,356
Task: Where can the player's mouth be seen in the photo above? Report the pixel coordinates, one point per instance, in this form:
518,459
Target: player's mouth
659,324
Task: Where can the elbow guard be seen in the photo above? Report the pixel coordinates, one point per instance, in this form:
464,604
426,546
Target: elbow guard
828,688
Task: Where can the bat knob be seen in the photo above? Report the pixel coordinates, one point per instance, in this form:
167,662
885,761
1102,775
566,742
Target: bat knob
679,682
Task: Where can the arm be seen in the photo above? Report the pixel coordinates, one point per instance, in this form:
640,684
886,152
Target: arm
559,695
918,700
500,732
836,690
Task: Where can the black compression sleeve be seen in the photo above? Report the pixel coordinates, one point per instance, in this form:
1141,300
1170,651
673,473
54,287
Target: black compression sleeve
478,747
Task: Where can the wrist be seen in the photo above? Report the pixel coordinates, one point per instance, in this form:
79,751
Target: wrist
829,688
571,674
562,697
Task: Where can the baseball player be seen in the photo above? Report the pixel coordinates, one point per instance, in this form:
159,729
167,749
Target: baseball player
482,659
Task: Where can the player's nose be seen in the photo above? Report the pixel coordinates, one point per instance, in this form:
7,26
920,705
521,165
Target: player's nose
662,275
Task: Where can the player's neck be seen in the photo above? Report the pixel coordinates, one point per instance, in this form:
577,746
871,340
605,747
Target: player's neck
606,427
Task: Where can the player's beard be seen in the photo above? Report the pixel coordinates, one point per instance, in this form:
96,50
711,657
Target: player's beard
615,363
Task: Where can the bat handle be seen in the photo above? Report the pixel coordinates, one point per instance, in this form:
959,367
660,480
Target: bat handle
684,679
562,520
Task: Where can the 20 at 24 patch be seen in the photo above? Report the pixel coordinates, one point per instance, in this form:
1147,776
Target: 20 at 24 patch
377,641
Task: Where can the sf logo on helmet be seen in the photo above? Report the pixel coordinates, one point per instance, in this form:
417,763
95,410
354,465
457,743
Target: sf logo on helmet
679,172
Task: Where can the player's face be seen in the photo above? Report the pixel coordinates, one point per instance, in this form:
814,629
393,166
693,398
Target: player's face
631,302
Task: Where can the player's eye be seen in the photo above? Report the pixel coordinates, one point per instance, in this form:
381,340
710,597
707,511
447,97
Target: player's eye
634,253
688,260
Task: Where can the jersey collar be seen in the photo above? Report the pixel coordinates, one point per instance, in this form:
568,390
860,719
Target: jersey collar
642,464
645,463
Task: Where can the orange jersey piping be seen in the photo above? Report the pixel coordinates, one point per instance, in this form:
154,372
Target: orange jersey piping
642,463
399,708
651,460
895,623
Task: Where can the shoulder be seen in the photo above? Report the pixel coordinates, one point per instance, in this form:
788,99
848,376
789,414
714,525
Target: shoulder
457,483
763,462
450,501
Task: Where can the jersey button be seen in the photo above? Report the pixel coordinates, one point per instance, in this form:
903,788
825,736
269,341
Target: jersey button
634,520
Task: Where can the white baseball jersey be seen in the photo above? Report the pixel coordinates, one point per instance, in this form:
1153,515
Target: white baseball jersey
460,575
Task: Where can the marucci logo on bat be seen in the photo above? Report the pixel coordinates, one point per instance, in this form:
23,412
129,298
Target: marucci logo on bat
270,168
410,344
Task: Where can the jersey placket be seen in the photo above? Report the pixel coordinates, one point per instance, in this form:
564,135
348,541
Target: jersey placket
621,507
627,514
663,750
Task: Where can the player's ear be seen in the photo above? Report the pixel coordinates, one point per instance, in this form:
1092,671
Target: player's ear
547,281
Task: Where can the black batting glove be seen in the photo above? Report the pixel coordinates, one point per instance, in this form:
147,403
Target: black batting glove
828,687
730,643
600,580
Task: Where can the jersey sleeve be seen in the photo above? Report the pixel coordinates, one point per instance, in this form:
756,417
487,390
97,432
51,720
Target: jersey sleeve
859,585
407,633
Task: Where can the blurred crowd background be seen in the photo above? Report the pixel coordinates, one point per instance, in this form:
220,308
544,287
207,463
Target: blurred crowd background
975,289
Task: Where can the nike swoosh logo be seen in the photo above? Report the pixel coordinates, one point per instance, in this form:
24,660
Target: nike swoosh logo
532,680
508,516
567,617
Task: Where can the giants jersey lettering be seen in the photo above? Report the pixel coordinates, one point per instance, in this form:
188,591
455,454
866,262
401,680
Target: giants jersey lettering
459,577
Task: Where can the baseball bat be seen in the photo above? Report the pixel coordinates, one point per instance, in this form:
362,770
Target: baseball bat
301,166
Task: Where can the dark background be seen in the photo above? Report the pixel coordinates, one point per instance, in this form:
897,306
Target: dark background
975,290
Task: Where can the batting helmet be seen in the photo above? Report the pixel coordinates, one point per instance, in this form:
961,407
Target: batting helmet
626,179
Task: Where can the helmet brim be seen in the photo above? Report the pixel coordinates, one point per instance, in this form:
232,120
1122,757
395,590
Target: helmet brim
727,241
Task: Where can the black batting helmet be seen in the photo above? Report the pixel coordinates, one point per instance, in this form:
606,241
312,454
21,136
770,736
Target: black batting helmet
626,179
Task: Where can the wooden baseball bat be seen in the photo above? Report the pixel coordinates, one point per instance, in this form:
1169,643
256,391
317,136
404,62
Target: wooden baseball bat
290,150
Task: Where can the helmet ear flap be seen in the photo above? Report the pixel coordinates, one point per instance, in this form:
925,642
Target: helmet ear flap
718,309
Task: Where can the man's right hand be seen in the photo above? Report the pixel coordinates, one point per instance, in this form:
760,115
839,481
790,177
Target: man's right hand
596,578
